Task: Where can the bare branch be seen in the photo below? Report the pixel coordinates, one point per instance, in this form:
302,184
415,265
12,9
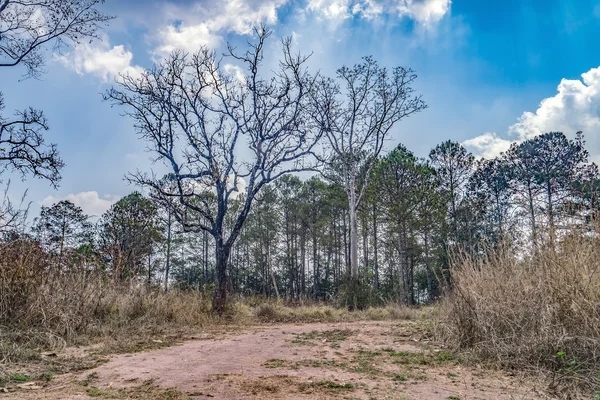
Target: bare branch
217,133
27,26
23,148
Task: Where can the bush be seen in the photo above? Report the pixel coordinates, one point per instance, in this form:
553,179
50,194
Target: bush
23,265
540,312
358,294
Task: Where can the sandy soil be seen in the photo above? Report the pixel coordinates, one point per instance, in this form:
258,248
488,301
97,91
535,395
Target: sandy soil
360,360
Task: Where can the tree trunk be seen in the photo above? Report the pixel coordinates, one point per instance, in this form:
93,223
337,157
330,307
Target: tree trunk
411,284
353,287
275,284
149,268
62,242
365,242
353,239
550,212
303,260
453,204
288,249
222,258
532,212
168,260
406,269
430,293
376,268
315,265
346,247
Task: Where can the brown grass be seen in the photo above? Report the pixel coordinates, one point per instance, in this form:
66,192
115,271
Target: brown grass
278,312
43,310
539,312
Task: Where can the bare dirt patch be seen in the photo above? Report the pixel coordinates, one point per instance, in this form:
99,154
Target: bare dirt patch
355,360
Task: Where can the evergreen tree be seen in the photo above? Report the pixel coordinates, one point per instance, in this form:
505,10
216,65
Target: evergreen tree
129,230
62,226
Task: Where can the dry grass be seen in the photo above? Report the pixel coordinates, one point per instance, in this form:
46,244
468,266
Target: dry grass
44,310
539,313
277,312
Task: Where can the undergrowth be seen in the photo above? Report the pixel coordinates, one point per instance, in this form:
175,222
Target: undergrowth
43,310
538,312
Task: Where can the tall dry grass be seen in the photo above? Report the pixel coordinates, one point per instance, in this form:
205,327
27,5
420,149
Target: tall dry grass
539,312
43,308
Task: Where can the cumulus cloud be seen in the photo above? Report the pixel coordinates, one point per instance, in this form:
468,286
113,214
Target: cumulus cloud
100,59
427,13
576,107
90,202
199,186
204,23
208,21
488,145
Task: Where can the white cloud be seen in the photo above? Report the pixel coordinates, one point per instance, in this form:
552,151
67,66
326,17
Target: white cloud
235,72
240,187
330,9
427,13
204,24
188,38
208,21
100,59
368,9
488,145
90,202
576,107
201,186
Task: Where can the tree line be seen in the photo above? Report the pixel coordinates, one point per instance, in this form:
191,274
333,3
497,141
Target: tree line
295,243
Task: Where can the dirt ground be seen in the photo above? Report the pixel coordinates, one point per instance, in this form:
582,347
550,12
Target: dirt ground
358,360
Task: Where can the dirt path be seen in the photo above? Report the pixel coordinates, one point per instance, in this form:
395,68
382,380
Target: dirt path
361,360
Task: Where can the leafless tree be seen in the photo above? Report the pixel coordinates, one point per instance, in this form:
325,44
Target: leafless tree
222,136
356,112
22,146
27,29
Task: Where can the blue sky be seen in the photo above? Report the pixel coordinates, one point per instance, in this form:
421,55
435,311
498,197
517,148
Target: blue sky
491,73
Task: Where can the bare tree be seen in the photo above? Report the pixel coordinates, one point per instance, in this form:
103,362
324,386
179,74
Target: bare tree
27,29
356,113
23,148
222,136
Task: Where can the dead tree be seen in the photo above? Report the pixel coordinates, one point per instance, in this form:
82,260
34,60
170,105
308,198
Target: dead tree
29,27
222,136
